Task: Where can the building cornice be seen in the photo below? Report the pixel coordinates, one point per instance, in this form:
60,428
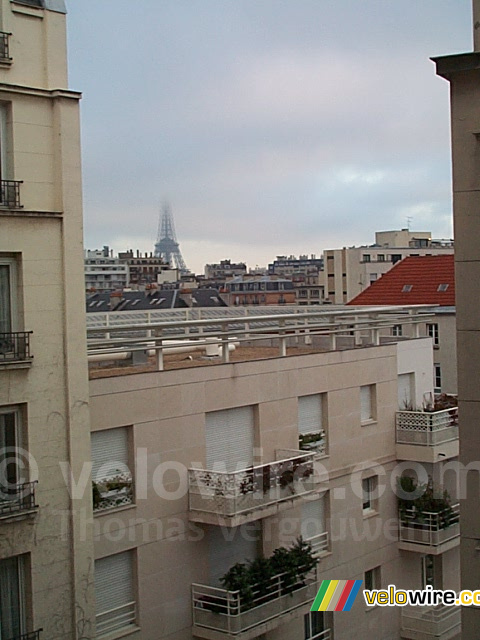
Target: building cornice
448,66
40,93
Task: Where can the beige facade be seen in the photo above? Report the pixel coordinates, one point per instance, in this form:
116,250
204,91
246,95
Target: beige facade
462,71
348,271
45,560
174,539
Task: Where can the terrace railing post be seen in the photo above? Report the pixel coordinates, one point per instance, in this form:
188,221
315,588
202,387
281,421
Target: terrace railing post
225,344
159,352
283,339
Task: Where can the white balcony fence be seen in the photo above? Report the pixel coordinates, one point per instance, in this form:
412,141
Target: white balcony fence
113,492
429,528
231,494
320,544
434,622
224,611
116,619
427,428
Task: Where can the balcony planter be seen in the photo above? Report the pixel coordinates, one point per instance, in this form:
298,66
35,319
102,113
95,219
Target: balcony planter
113,492
315,442
257,592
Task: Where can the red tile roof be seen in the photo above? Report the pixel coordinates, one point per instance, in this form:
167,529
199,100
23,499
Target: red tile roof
425,274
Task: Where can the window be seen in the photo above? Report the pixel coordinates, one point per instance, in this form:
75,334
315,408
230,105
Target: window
366,257
316,623
373,579
437,381
369,486
397,330
373,277
12,597
428,571
367,403
433,333
442,287
407,288
381,257
396,257
311,428
313,526
114,593
8,288
111,476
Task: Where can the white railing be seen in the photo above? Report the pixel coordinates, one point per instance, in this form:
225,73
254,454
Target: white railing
128,333
238,492
428,527
113,492
427,428
320,544
116,619
434,622
323,635
226,611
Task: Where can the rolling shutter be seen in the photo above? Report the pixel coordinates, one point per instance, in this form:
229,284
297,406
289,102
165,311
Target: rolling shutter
310,414
405,390
227,547
109,452
313,518
114,592
230,439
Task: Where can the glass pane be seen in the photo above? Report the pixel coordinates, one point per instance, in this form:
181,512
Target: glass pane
5,311
10,599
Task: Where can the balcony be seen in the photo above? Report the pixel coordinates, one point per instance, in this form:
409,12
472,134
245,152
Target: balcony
429,532
423,435
426,623
17,500
120,620
15,348
5,47
320,544
219,614
113,492
10,194
31,635
231,499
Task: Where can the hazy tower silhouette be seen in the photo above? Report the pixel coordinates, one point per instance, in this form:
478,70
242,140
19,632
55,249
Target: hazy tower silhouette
167,246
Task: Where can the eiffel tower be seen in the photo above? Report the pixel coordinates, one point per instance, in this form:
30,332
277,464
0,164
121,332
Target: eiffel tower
167,246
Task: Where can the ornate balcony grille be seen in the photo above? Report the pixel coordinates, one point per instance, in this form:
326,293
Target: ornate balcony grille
15,347
231,494
427,428
4,46
10,194
17,499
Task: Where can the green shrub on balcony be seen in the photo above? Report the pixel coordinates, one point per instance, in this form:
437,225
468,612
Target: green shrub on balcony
427,500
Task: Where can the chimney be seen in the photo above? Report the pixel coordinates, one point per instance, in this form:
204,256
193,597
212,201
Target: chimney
115,299
138,253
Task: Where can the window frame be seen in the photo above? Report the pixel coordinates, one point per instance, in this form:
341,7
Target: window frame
364,420
319,446
369,497
124,474
373,578
12,265
434,333
22,592
437,377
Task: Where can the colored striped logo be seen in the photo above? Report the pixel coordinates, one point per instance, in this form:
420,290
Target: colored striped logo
336,595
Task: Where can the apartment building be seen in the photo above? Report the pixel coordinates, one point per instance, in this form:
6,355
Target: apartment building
349,271
46,560
463,73
427,280
104,271
296,431
225,269
259,290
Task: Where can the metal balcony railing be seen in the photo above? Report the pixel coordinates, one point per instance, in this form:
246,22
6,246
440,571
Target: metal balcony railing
31,635
430,622
17,499
238,492
427,428
428,527
116,619
113,492
4,46
320,544
10,193
224,611
15,347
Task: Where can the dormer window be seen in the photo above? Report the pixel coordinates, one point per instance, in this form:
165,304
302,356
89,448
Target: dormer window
442,287
407,288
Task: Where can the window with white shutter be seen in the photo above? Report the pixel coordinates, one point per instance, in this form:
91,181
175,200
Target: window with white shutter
367,403
114,593
311,429
230,439
313,526
111,475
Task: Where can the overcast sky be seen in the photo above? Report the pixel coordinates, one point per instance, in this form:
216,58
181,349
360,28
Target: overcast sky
271,126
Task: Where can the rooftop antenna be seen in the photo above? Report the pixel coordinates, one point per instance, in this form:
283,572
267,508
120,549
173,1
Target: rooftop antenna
409,221
167,246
